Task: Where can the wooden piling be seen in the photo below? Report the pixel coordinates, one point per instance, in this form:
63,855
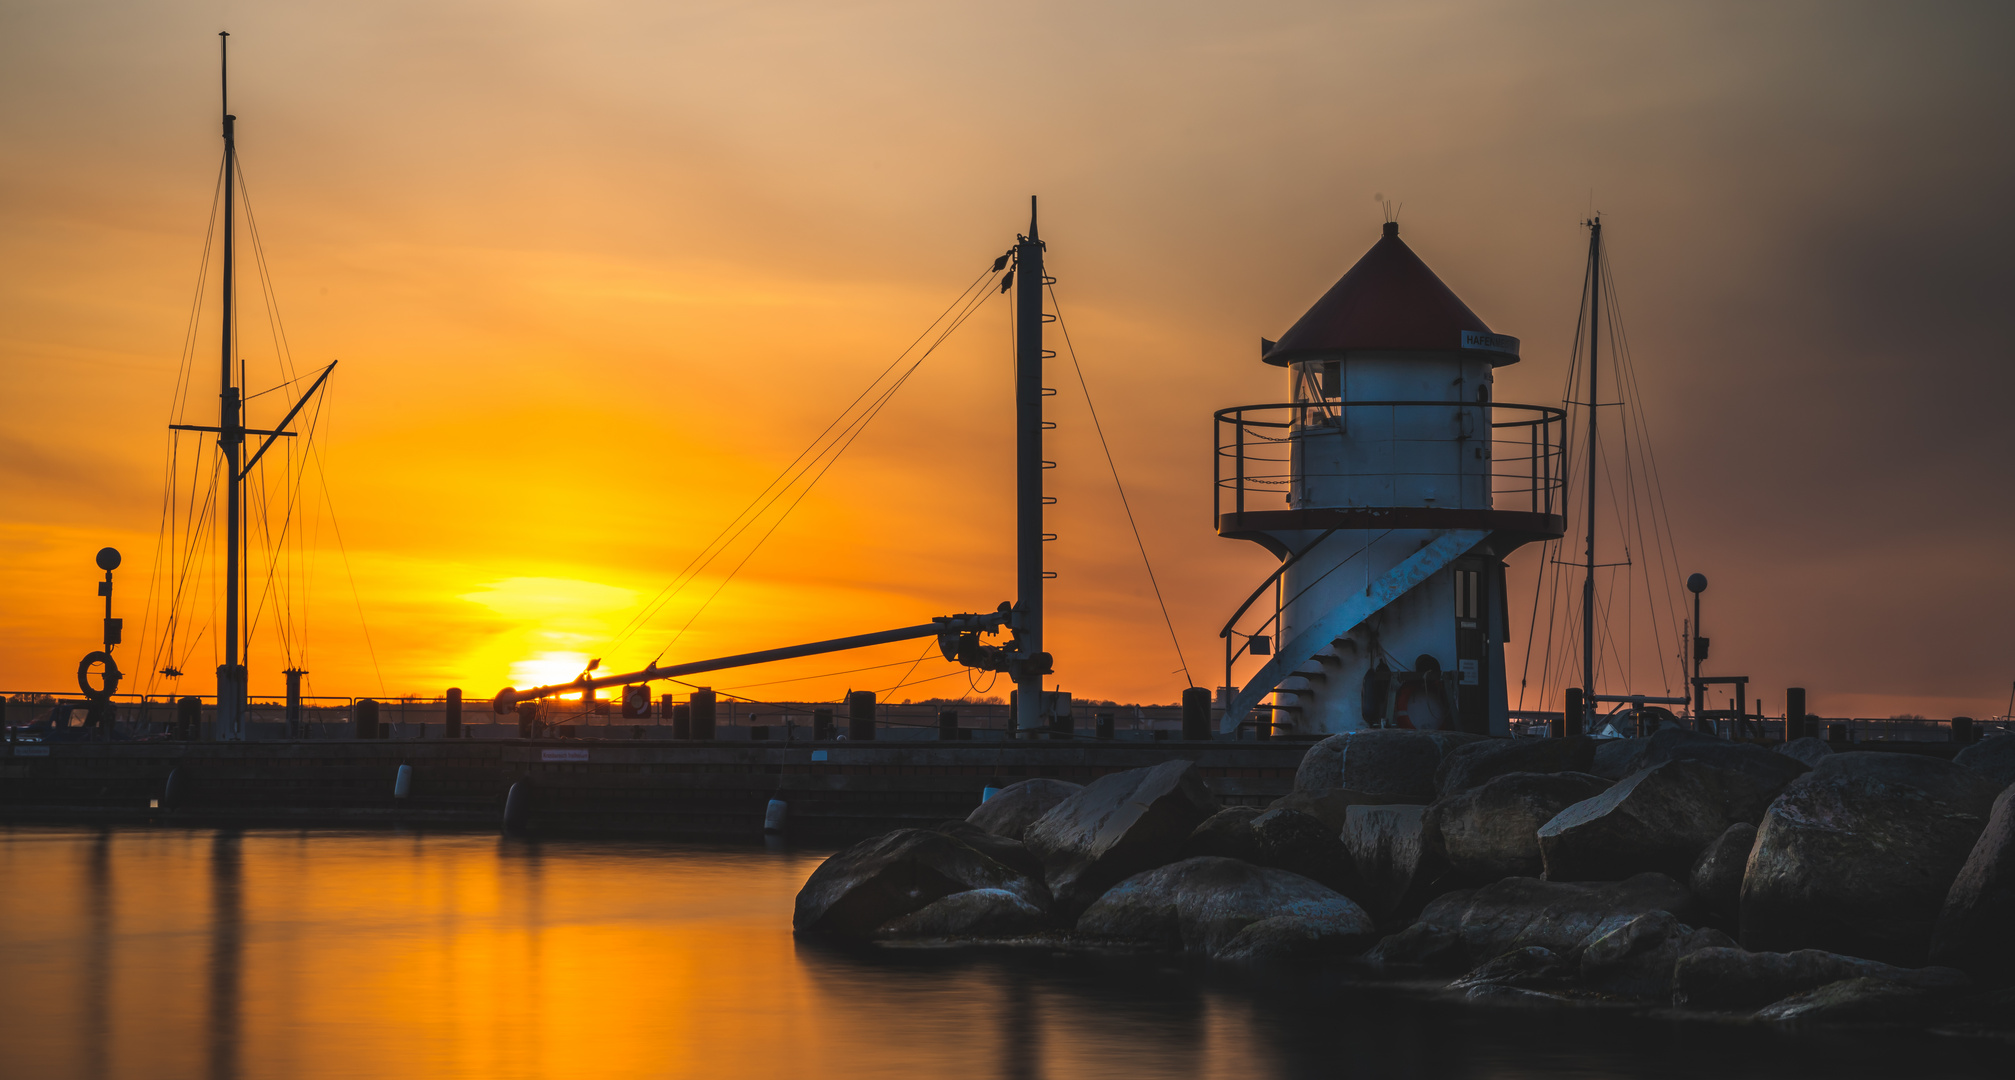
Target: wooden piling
1196,713
861,715
703,714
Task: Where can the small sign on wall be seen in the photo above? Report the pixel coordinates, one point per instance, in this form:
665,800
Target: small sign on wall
1468,669
563,755
1477,339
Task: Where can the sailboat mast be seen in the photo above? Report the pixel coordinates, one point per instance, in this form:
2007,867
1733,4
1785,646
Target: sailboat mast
1594,371
1028,475
231,678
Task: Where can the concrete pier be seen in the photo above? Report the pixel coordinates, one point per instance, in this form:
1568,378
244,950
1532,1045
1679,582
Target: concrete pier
838,791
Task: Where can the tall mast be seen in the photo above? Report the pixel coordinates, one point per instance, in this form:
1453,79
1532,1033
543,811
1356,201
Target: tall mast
231,677
1028,476
1594,370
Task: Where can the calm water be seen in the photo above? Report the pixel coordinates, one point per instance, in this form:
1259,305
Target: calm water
139,952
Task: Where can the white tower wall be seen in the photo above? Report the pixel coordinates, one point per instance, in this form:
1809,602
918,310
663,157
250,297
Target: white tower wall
1354,455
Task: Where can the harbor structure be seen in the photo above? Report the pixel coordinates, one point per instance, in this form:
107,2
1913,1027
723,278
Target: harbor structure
1390,485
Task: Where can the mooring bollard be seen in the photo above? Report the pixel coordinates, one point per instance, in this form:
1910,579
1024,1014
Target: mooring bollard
822,725
518,806
1571,713
1794,714
682,721
188,719
403,785
1962,730
174,790
528,719
364,715
861,715
948,725
1104,726
451,725
703,714
774,816
1196,713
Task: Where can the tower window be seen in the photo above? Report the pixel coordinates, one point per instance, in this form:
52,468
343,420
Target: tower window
1468,594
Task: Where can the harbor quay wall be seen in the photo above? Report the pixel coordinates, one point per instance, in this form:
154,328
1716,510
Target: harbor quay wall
836,792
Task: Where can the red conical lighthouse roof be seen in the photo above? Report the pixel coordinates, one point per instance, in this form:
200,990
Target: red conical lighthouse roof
1390,301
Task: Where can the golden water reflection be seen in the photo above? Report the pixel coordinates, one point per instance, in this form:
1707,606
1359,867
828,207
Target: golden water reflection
203,953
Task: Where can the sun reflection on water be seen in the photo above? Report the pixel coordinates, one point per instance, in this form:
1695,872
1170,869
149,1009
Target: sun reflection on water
140,952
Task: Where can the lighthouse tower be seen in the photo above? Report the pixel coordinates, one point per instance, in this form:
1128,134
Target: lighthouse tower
1391,485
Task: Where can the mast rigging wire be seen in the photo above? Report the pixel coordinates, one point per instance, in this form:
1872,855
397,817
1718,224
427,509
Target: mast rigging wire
1639,511
817,448
1117,485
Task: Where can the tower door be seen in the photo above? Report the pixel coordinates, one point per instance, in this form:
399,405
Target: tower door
1472,637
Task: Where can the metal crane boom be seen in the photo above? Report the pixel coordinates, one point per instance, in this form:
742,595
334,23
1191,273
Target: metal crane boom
956,634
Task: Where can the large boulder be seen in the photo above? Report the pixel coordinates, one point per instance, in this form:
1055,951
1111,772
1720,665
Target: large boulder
1533,967
1377,766
884,878
1976,925
1422,945
1396,860
1118,826
1636,960
1203,904
1474,764
1678,744
1617,758
1657,819
1227,833
1328,808
1015,807
1869,999
1295,939
1857,855
1992,758
1473,925
975,913
1284,839
1492,831
1810,749
1717,874
1012,854
1738,980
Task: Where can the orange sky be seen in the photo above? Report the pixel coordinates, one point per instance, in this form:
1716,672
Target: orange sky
596,271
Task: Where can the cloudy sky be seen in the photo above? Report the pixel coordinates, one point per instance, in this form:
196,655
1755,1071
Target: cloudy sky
596,271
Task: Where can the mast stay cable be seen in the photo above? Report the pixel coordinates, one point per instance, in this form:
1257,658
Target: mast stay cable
786,476
1117,485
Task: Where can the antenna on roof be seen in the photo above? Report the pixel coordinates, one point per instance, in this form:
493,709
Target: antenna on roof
1391,209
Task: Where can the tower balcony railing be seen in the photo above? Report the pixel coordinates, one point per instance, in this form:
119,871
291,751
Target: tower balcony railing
1373,456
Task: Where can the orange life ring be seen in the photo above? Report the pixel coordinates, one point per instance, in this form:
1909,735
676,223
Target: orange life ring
1413,696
